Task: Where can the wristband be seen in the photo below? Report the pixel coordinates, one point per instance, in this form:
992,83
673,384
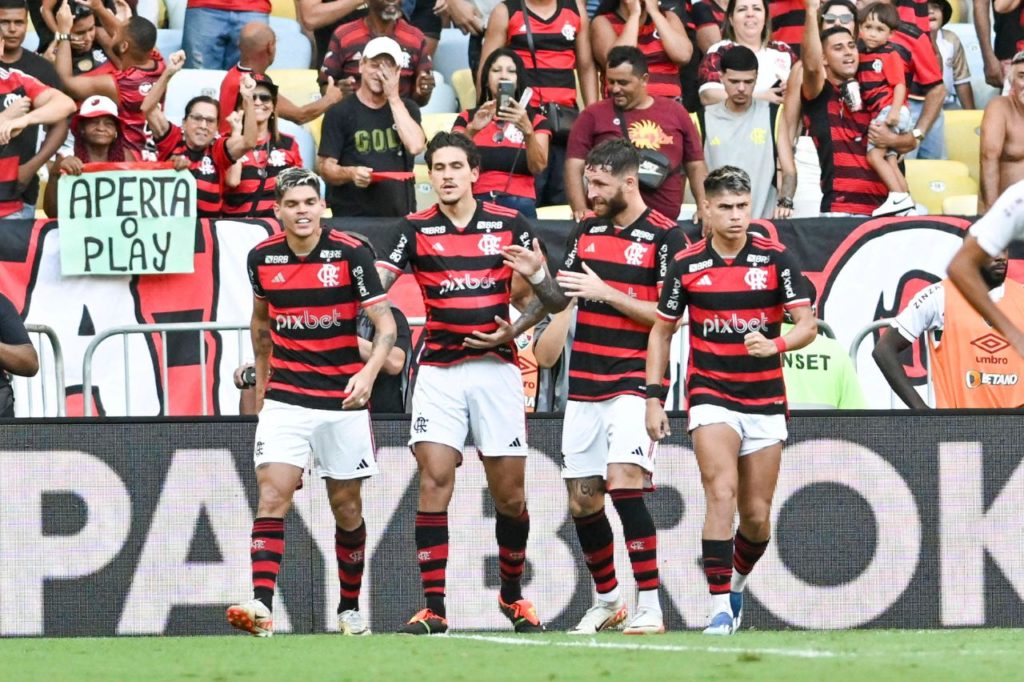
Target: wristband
538,277
780,344
656,391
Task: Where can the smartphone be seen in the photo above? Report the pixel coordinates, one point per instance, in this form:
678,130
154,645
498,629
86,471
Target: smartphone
524,101
506,91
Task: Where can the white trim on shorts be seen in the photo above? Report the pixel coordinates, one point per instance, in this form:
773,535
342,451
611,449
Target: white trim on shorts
756,431
340,441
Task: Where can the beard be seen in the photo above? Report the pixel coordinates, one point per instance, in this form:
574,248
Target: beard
993,279
611,207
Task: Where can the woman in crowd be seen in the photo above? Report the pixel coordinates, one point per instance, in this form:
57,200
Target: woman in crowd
658,33
249,184
98,139
513,141
748,23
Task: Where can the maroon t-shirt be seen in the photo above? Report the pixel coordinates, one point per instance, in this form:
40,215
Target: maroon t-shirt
664,127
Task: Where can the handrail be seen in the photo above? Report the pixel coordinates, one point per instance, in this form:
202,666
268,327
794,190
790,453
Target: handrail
58,369
162,329
862,334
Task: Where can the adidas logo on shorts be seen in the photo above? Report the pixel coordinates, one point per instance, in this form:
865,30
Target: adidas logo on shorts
515,444
639,452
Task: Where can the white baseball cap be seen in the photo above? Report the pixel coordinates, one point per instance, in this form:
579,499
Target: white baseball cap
97,105
382,45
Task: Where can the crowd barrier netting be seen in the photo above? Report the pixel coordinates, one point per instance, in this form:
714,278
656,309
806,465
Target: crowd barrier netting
137,527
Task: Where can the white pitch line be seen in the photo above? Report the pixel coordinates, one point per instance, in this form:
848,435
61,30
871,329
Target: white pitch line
594,644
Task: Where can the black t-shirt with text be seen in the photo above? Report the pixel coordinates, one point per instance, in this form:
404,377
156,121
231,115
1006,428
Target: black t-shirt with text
388,394
28,141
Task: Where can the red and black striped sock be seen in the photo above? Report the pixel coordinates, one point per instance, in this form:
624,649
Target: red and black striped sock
745,554
641,536
266,551
511,533
432,554
595,534
717,565
350,549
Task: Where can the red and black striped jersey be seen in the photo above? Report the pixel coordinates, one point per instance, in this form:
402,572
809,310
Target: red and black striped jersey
14,84
919,54
663,73
553,75
503,166
707,13
462,276
132,86
609,351
345,52
254,195
208,166
788,22
848,183
313,302
913,12
880,70
727,300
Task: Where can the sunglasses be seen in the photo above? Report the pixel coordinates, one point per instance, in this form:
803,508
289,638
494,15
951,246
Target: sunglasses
202,119
263,97
837,18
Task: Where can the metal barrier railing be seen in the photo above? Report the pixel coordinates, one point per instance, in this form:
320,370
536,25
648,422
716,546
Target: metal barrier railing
40,331
865,331
163,330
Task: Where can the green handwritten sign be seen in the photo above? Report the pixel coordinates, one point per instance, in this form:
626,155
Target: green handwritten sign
127,222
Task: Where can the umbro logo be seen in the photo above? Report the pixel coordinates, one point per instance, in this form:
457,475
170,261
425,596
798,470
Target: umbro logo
704,281
590,249
278,278
515,444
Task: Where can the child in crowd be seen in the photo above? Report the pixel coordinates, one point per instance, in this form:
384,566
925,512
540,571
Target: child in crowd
882,76
955,72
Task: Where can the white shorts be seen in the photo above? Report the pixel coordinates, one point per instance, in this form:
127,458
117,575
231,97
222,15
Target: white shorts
756,431
482,397
596,434
341,441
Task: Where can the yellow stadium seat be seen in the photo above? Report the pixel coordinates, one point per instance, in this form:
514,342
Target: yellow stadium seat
930,190
425,194
436,123
925,168
963,138
316,127
961,204
465,88
300,86
560,212
283,8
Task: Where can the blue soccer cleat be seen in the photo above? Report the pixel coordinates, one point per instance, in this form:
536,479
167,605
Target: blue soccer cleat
721,624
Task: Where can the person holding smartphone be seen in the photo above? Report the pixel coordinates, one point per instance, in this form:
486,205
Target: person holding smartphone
512,136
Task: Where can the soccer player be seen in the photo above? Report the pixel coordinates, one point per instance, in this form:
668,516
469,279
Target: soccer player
736,286
311,389
614,267
988,237
468,380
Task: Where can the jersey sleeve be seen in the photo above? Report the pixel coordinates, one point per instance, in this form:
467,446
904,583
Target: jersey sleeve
334,61
221,155
1003,223
252,265
522,233
33,87
294,155
672,301
12,329
401,249
709,74
166,145
791,282
541,125
672,243
572,260
403,339
925,312
961,70
462,121
927,72
893,69
364,277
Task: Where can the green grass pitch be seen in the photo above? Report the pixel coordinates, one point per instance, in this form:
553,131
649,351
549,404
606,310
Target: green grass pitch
872,655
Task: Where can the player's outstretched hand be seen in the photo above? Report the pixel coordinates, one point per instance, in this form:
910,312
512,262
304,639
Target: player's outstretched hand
358,389
482,340
586,284
524,261
657,420
759,346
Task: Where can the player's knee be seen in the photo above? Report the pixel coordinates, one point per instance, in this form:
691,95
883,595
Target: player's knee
348,510
584,505
274,501
756,517
512,504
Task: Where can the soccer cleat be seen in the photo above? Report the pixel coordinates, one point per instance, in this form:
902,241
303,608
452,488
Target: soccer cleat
252,616
351,622
721,624
645,622
522,614
894,205
425,622
736,602
601,616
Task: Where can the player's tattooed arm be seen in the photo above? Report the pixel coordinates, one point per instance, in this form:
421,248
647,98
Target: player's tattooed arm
382,338
360,385
262,346
534,313
532,265
387,277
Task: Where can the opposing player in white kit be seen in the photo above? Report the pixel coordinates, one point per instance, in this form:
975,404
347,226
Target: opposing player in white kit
311,389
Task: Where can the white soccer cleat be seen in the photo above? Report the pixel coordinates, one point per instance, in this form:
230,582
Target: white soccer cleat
721,624
601,616
895,206
351,622
253,617
645,622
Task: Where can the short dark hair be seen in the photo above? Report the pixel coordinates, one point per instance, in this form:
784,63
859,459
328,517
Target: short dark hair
726,179
829,32
201,99
739,58
457,140
883,11
617,155
142,34
627,54
14,4
485,93
295,176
